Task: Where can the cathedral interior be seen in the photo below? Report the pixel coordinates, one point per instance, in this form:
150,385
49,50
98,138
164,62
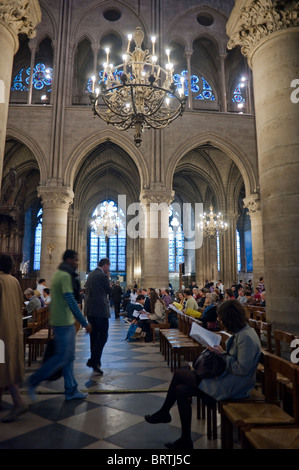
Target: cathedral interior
233,150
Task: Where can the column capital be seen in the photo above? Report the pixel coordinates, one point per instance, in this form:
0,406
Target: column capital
56,198
253,204
188,53
253,21
21,16
148,197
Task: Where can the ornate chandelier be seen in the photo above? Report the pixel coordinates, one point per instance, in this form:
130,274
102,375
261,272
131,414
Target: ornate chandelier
212,224
105,221
138,93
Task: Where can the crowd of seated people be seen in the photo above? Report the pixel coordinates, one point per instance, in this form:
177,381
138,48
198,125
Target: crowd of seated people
36,298
155,301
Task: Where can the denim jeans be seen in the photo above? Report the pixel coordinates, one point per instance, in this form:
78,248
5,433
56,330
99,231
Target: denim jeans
64,356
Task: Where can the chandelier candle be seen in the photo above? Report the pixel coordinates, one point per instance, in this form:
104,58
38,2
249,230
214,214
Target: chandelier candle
139,93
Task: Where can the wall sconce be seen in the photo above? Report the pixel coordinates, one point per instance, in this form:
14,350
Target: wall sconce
51,247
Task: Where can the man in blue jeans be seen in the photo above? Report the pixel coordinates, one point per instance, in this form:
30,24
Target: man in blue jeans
97,309
63,312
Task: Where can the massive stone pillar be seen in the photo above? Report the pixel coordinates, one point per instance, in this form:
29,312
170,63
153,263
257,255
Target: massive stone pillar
268,34
253,204
228,252
16,16
155,269
55,202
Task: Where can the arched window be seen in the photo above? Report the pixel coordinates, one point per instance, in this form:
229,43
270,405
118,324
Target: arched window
218,252
238,251
176,241
200,87
41,80
38,241
113,247
238,94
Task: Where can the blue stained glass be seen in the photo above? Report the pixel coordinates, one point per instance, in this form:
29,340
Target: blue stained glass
42,77
237,95
38,242
238,251
203,88
114,248
175,245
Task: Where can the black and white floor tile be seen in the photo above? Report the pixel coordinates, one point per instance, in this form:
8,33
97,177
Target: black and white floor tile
135,381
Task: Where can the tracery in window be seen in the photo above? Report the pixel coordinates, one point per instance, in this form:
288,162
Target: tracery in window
114,248
41,80
238,94
200,87
176,241
38,241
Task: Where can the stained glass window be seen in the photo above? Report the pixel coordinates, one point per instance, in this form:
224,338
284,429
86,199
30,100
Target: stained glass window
200,87
237,94
41,80
38,241
114,248
238,251
218,252
176,242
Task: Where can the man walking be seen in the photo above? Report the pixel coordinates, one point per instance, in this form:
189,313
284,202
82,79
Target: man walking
63,312
97,291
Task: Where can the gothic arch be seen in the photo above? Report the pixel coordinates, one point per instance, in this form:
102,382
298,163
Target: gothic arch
35,149
93,141
227,147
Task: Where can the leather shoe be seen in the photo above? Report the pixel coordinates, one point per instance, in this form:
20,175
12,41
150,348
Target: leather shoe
157,418
98,370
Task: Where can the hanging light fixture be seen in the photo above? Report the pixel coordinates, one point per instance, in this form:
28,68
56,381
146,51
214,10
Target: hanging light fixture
106,221
139,93
212,224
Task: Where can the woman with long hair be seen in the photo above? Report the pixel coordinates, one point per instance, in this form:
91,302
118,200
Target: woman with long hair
157,315
241,358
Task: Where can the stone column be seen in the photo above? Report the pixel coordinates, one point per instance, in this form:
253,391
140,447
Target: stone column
223,83
16,16
253,204
155,271
32,47
228,252
188,55
55,202
268,34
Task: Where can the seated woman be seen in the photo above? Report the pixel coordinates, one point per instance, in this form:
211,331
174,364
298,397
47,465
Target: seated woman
241,358
157,315
209,315
229,294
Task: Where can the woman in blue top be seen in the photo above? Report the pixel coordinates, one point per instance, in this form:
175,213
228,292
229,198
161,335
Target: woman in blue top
242,355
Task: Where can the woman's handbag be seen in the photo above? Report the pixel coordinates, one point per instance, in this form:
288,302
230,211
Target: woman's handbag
209,364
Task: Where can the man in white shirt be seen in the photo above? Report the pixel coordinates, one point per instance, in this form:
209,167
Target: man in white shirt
40,287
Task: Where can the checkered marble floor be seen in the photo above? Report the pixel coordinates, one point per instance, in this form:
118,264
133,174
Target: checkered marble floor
135,381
